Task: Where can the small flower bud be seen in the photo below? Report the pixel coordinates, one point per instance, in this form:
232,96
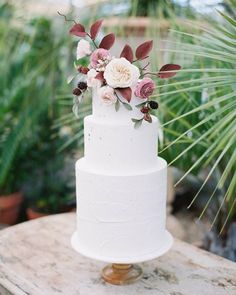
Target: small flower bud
77,91
145,110
153,105
82,85
83,70
147,118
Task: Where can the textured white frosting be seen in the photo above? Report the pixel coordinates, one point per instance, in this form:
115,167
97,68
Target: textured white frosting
119,147
120,217
121,188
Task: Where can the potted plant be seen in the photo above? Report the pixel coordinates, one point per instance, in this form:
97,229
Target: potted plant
53,198
27,90
10,200
50,190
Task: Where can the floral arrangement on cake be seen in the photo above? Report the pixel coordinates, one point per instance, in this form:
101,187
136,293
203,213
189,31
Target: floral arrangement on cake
115,77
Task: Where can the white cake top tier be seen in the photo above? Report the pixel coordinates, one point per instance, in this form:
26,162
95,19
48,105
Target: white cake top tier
119,147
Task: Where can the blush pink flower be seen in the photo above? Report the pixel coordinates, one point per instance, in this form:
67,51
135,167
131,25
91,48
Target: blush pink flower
107,95
144,88
92,81
99,59
120,73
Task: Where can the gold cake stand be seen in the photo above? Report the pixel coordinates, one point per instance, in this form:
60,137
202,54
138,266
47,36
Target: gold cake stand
121,274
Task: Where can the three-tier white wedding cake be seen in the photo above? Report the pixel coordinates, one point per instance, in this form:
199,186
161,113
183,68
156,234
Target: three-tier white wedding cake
121,188
121,184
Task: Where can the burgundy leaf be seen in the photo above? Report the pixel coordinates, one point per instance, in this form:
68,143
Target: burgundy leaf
78,30
143,50
163,72
107,41
147,118
127,53
126,93
100,76
95,28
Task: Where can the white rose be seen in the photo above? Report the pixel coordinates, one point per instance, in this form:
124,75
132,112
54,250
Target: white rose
83,49
121,73
91,80
107,95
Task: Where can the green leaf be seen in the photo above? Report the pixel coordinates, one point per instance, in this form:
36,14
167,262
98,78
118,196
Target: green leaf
127,106
117,105
75,110
226,33
137,122
82,62
139,106
11,145
79,135
70,78
228,18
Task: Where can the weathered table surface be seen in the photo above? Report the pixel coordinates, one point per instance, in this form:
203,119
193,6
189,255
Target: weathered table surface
36,259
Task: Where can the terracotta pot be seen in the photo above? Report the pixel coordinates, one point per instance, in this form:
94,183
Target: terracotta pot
10,207
136,25
33,214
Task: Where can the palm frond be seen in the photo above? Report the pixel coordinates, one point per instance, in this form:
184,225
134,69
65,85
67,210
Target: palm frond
201,110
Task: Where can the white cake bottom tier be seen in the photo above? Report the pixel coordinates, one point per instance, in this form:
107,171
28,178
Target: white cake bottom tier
121,218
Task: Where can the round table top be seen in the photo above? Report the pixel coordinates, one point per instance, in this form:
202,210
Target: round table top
36,258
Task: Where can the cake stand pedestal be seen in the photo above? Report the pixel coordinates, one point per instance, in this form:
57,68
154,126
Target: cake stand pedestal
121,274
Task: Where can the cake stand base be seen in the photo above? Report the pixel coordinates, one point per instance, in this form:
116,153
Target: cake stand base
121,274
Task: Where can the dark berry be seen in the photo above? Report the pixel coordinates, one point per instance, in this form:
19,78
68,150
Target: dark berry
77,91
145,110
82,85
153,105
148,118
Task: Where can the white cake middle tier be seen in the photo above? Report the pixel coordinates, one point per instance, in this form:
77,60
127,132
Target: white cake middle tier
118,147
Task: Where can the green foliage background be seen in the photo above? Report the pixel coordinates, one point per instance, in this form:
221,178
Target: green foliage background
197,107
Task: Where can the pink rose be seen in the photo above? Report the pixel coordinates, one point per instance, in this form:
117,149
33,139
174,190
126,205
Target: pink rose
144,88
107,95
99,59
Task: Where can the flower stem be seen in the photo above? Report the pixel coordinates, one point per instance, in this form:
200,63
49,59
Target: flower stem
118,97
94,43
66,19
150,73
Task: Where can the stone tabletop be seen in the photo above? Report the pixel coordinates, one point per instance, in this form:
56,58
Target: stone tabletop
36,259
